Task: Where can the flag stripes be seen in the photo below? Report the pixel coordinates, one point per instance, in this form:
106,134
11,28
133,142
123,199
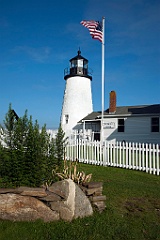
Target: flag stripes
95,29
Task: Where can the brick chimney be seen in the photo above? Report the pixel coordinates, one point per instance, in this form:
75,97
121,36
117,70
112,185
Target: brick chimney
112,102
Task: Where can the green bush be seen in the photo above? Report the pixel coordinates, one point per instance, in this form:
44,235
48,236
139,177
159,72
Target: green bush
30,153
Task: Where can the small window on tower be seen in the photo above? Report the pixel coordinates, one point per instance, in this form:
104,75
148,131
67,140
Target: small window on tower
66,118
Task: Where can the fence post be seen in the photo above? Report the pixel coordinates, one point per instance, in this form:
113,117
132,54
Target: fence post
150,159
123,155
113,146
104,154
130,155
157,151
140,158
127,155
136,147
154,160
147,158
120,154
143,149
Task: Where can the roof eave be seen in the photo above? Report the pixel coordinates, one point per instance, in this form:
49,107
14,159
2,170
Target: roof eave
99,117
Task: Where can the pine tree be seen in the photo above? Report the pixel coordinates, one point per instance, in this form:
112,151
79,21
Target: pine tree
8,130
19,140
60,147
10,161
30,154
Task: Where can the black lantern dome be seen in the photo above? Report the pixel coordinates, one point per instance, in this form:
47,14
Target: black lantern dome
78,67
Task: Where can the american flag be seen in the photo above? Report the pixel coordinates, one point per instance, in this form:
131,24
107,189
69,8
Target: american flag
95,28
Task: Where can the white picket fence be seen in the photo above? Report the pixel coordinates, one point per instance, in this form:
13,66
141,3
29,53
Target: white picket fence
143,157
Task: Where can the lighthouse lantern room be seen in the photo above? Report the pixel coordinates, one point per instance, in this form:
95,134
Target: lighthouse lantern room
77,100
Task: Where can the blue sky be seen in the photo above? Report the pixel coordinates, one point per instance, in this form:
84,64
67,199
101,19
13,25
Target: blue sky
39,37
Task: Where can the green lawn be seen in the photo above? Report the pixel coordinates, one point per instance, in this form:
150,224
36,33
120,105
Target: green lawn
132,212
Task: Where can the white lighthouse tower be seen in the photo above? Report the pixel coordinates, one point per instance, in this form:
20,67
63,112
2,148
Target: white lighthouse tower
77,101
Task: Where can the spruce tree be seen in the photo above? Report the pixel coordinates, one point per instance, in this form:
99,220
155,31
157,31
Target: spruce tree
30,154
10,161
8,130
20,132
60,147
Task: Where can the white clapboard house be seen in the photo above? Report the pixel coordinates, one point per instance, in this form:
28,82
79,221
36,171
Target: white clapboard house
127,123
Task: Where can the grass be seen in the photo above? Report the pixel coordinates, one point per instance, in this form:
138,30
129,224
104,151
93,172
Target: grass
132,211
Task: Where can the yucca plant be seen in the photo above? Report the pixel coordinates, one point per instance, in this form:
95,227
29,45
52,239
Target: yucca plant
70,171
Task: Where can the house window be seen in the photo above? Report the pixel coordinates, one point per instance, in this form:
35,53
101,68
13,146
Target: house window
120,125
155,124
66,118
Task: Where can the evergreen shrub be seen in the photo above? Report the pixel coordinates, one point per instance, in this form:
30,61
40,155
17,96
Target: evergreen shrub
29,153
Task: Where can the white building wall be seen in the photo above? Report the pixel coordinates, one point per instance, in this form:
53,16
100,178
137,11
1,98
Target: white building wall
137,129
77,102
110,129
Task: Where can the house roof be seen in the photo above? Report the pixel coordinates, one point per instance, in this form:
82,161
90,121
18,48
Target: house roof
126,110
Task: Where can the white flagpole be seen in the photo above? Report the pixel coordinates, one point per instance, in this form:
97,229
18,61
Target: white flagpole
103,44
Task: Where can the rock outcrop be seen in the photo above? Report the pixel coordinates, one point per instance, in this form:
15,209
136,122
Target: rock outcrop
63,200
75,203
93,191
25,208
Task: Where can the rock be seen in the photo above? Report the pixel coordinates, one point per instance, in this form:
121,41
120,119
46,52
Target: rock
98,198
83,206
24,208
35,192
63,200
93,184
64,211
51,197
100,206
75,205
59,188
10,190
92,191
